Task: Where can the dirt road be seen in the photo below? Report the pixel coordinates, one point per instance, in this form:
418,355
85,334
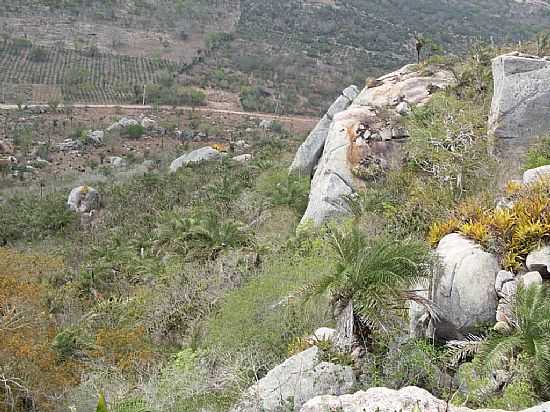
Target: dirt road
204,109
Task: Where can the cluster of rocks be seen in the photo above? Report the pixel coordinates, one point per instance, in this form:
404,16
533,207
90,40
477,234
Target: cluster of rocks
328,152
190,135
125,122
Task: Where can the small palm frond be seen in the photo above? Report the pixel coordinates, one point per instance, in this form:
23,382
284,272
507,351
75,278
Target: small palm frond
460,350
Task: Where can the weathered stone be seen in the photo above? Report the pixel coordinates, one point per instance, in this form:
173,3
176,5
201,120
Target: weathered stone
502,277
83,199
243,158
403,108
464,288
408,399
310,151
521,97
147,123
203,154
300,378
266,124
322,334
405,84
333,180
504,312
539,260
530,278
117,161
532,175
96,136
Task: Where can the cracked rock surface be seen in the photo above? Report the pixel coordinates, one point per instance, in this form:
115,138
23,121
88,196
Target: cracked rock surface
521,96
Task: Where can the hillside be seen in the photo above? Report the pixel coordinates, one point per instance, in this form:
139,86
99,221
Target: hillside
284,56
397,258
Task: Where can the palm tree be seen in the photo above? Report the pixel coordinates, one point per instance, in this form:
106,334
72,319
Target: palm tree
529,339
375,277
419,43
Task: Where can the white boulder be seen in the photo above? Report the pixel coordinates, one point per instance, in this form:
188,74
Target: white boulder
464,289
203,154
533,175
83,199
300,378
409,399
243,158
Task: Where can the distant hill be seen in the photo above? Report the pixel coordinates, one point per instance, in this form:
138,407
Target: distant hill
285,55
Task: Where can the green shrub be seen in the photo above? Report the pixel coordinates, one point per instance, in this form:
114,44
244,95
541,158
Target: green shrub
283,189
28,217
134,131
264,316
539,154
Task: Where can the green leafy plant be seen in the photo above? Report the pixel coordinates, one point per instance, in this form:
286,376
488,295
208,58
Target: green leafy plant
529,340
375,275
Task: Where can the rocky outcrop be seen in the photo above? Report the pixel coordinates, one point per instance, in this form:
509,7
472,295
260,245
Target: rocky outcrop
310,151
83,199
353,135
521,96
464,289
300,378
388,400
405,85
203,154
333,182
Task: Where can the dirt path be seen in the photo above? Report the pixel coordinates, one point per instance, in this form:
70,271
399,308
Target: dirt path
267,116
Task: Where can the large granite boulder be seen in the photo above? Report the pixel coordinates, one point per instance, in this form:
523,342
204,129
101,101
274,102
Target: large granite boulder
310,151
300,378
464,289
388,400
406,84
84,199
203,154
521,96
333,182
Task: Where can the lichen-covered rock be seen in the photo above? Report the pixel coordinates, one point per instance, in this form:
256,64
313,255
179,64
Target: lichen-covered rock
464,288
405,84
333,179
300,378
84,199
521,96
203,154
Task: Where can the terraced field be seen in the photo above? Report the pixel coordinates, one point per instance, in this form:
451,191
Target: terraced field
81,76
